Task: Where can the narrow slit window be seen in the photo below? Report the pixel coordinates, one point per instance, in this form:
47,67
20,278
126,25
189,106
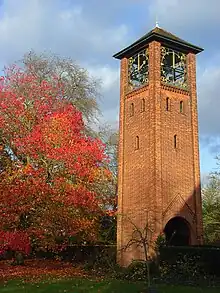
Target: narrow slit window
143,105
137,143
132,109
181,106
167,104
175,141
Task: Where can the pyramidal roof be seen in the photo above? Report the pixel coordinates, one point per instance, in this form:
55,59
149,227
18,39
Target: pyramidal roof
161,35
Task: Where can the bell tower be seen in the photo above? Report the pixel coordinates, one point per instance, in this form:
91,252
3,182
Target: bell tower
158,164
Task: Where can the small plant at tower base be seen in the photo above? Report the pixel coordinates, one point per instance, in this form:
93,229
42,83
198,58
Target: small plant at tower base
160,241
141,238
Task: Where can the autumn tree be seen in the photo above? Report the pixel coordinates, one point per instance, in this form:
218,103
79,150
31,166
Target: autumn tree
78,86
48,190
83,91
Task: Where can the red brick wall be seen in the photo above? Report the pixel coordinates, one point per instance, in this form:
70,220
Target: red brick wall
177,163
195,140
157,181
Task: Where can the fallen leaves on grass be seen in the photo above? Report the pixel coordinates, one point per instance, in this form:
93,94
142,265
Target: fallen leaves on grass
35,270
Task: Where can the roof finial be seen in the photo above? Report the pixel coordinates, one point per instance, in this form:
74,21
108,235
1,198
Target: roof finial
157,23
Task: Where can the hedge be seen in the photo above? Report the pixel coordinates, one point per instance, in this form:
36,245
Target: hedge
206,258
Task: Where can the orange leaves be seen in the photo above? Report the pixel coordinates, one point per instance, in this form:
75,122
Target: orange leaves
60,137
35,270
100,174
24,101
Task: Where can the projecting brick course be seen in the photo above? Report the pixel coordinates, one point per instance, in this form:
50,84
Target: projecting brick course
157,181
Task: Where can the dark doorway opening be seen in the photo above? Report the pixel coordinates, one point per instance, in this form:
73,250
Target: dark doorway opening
177,232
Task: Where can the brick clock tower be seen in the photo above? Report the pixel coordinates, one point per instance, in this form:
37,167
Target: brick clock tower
158,170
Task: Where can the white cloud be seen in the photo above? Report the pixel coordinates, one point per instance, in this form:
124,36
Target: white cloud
87,32
70,31
41,25
187,13
108,75
109,89
209,101
198,22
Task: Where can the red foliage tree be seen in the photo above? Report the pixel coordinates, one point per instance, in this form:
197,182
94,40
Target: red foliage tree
48,189
16,241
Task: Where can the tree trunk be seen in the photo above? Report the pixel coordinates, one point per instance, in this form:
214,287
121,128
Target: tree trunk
19,259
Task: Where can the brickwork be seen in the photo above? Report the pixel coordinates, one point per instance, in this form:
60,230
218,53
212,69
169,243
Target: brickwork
157,181
195,141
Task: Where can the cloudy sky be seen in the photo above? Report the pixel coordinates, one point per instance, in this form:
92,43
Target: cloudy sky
91,31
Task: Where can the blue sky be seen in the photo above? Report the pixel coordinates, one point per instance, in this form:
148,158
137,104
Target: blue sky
91,31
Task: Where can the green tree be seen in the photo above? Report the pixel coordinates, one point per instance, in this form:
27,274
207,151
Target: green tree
108,188
211,208
109,135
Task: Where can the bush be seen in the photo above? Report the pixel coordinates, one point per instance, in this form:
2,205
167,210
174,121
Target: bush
208,258
81,254
104,261
184,270
136,271
189,265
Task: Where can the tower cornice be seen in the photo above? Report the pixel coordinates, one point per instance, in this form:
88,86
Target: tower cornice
162,36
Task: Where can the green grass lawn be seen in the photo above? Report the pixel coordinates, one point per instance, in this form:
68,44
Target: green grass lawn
91,286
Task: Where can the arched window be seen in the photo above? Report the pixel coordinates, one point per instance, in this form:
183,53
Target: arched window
175,141
181,106
142,105
132,109
167,104
137,143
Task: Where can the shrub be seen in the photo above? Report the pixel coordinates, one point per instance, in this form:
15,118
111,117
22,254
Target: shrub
102,260
184,270
208,258
136,271
189,265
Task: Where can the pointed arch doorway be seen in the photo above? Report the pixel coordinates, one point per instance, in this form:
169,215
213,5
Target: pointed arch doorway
177,232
